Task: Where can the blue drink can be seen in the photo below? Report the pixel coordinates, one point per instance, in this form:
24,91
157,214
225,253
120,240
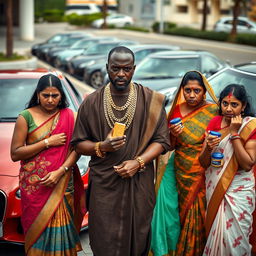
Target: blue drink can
217,159
177,121
213,133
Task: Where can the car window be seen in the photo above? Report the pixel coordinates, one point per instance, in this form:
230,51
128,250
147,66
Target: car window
140,55
228,22
165,67
222,79
10,94
242,23
209,65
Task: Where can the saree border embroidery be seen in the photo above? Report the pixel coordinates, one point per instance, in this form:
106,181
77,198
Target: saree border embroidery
48,210
226,179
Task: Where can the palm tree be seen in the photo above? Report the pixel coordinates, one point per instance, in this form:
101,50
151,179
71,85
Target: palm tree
104,12
9,30
205,13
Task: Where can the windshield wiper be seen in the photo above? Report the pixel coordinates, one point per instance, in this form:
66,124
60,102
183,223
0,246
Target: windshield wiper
8,119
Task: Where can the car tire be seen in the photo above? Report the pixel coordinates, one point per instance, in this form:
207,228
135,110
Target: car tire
96,79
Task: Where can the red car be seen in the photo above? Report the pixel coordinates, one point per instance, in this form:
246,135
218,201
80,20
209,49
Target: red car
16,88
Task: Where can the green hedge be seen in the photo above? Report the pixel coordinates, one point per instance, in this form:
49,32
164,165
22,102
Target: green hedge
190,32
82,20
248,39
167,26
133,28
53,15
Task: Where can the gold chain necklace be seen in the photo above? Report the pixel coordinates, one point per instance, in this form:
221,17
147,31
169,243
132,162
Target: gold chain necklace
129,106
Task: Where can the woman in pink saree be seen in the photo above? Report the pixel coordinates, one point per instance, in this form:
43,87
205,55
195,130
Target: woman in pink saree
52,194
230,183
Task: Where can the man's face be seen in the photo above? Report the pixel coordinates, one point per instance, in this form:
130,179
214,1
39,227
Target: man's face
120,70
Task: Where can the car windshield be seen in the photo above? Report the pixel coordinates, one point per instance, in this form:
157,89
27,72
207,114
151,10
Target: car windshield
249,68
154,68
56,38
81,44
99,49
231,76
16,93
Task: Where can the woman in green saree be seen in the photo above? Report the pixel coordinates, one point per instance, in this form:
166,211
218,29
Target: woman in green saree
52,195
179,215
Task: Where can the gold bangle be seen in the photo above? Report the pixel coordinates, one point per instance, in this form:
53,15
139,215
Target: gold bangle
141,163
47,144
98,151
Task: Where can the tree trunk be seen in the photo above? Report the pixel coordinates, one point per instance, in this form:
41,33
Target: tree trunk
233,32
205,13
104,12
9,30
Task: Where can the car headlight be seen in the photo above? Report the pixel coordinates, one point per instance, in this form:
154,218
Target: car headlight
18,194
85,64
83,164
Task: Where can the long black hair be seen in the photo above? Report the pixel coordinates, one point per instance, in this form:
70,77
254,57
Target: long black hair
192,75
240,93
45,81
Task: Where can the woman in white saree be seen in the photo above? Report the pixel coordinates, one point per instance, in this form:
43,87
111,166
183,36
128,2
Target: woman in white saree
230,187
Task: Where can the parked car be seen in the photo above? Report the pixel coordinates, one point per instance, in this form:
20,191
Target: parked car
249,67
95,74
163,70
82,9
63,57
16,88
244,25
51,53
118,20
51,42
234,75
94,53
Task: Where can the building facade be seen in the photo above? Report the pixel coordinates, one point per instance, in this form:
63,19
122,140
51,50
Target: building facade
182,12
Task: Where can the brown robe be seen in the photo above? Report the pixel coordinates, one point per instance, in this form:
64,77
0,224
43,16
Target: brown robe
121,209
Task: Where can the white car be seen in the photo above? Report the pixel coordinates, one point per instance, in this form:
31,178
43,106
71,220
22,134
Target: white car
82,9
118,20
244,25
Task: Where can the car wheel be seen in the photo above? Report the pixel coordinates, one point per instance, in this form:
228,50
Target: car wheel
127,24
96,79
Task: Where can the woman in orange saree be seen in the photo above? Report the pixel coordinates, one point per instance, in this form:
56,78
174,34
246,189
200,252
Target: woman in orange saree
189,105
52,194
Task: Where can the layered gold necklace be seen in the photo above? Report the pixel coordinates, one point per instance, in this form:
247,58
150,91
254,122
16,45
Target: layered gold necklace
129,107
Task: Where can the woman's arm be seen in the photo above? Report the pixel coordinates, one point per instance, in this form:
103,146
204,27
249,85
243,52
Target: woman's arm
245,154
21,151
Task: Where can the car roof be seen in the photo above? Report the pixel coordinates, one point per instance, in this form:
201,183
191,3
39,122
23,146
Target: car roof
166,54
150,46
27,73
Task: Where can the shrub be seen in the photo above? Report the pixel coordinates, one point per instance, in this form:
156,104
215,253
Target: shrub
82,20
167,26
15,56
136,28
53,15
249,39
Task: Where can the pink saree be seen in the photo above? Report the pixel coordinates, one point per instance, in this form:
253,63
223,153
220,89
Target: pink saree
40,203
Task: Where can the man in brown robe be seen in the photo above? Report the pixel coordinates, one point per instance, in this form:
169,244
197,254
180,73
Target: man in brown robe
121,182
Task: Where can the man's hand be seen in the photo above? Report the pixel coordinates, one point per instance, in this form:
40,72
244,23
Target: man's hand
127,169
111,144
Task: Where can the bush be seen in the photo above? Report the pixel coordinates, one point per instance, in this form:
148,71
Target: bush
167,26
140,29
53,15
15,56
249,39
82,20
191,32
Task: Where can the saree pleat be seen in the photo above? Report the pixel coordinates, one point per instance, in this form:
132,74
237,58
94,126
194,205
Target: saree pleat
60,237
166,228
190,181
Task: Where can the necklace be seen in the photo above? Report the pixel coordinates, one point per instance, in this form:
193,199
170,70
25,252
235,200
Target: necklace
129,107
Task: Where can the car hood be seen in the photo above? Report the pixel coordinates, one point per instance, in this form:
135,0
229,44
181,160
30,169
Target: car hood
158,84
7,166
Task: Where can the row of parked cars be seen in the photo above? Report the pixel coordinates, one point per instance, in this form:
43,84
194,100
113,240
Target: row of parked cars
159,67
